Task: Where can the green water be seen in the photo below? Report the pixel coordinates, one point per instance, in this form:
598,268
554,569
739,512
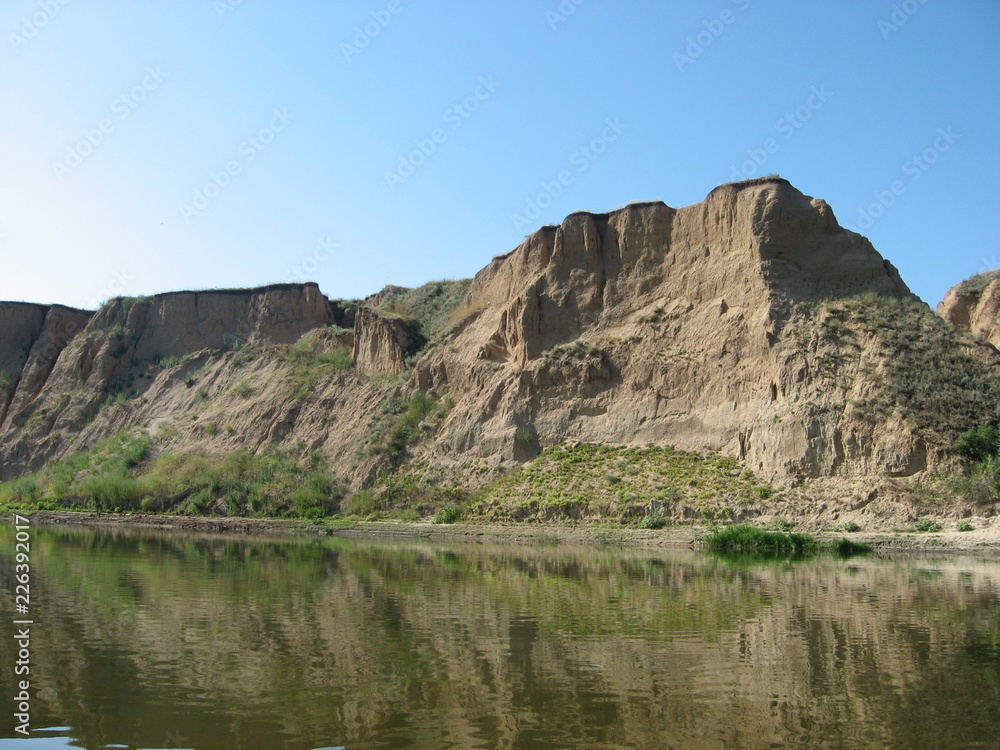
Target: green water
145,640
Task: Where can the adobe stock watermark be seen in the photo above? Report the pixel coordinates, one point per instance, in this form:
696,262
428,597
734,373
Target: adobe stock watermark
249,149
366,32
223,8
786,127
562,12
915,167
901,13
454,117
31,26
22,623
122,108
303,271
714,28
580,160
989,264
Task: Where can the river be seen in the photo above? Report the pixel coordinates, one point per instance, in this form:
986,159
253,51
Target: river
170,640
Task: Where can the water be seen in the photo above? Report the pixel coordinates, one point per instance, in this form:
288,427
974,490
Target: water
145,640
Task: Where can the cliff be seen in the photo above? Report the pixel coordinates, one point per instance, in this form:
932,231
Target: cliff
750,325
974,306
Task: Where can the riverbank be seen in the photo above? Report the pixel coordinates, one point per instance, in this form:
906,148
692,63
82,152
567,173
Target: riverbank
982,540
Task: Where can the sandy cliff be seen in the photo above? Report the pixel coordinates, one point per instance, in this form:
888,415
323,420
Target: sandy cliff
974,306
750,324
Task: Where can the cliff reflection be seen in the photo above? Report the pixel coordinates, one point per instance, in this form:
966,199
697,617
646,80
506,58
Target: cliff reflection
152,640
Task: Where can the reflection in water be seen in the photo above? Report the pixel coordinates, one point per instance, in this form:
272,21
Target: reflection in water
159,641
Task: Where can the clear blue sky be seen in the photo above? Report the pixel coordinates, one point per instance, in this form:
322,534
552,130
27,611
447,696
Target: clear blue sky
359,143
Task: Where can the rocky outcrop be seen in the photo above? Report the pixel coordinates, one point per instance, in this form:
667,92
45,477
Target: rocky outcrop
33,338
974,306
72,361
671,326
382,342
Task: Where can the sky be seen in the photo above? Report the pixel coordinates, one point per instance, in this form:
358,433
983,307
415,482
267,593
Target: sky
191,144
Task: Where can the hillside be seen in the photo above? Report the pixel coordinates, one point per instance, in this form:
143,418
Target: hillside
749,332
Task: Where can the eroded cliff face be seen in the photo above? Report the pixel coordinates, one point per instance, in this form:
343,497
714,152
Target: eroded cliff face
974,306
732,325
657,325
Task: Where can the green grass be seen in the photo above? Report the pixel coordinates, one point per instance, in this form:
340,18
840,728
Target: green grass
922,369
122,474
624,484
744,538
310,361
431,306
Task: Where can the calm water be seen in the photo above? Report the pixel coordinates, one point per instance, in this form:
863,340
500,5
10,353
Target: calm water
171,641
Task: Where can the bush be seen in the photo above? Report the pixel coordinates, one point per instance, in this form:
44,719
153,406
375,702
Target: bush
979,444
448,514
746,538
653,521
926,525
964,526
111,491
850,527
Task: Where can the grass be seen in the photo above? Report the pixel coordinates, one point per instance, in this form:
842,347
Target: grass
310,361
400,424
978,283
432,306
121,474
923,369
5,382
625,484
744,538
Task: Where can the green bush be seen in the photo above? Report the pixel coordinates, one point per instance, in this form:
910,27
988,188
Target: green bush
926,525
964,526
448,514
979,444
850,527
653,521
111,491
746,538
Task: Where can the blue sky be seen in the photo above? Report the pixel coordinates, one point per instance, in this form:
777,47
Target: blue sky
166,144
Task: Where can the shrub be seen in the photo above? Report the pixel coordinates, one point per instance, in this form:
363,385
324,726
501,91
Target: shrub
964,526
979,444
243,389
926,525
111,491
782,525
653,521
850,527
746,538
448,514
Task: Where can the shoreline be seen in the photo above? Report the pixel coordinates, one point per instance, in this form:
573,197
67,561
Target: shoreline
981,541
